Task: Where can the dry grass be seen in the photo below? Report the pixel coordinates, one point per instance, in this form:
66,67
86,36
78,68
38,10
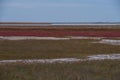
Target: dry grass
40,49
91,70
62,27
37,49
21,25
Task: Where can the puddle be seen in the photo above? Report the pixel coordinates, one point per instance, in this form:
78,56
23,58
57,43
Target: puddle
61,60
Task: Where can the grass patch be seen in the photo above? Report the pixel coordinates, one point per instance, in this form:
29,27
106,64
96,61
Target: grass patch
90,70
40,49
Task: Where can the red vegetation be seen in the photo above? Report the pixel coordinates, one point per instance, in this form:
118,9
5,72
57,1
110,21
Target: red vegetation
60,32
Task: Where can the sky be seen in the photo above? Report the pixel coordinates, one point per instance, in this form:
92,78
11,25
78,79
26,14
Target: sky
59,10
